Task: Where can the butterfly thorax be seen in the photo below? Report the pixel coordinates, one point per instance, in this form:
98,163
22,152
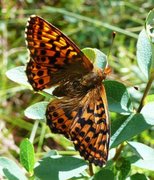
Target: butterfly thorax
80,86
92,80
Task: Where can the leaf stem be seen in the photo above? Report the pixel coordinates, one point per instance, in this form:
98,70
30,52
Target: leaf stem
146,92
118,151
41,139
91,172
33,133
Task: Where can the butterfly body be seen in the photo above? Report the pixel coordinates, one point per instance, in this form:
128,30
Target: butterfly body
81,114
79,86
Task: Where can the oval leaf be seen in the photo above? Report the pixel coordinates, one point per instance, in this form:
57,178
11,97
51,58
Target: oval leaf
149,98
118,97
145,164
59,168
148,113
143,150
104,174
97,57
149,25
18,75
131,127
150,32
27,158
138,176
146,155
144,53
37,111
10,169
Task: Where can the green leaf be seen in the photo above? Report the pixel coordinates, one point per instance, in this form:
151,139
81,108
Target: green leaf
133,158
104,174
18,75
118,97
116,121
148,113
123,165
37,111
59,168
131,127
11,170
138,176
97,57
149,98
143,150
27,156
146,153
51,153
144,53
149,25
145,164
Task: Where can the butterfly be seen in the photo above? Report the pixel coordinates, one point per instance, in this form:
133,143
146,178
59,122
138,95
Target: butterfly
80,111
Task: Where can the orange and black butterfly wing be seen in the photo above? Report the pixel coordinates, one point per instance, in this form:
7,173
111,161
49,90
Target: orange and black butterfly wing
52,55
90,131
85,122
60,114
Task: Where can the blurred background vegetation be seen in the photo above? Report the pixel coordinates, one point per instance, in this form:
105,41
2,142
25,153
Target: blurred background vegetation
88,23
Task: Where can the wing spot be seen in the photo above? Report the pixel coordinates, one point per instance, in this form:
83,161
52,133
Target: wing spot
55,130
55,114
100,115
90,122
52,59
77,129
87,139
38,67
82,152
43,59
100,106
63,126
90,146
39,32
82,121
40,73
52,108
43,52
41,81
102,142
60,120
76,146
100,121
42,44
95,135
82,133
92,129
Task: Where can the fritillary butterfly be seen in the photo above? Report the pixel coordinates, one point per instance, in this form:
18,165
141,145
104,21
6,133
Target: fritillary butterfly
81,114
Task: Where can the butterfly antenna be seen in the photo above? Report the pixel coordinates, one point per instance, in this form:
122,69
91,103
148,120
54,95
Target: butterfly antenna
108,69
112,41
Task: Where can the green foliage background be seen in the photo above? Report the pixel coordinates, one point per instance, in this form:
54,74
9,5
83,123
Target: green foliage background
89,24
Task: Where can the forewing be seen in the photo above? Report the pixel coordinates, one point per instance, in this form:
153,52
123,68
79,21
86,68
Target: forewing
90,130
50,48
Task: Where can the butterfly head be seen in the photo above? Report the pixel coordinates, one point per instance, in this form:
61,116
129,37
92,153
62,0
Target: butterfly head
106,72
